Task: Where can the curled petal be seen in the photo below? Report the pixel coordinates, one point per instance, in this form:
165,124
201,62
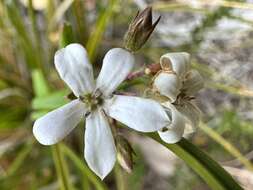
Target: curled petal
168,84
100,151
177,62
73,66
117,64
138,113
192,116
176,128
193,82
57,124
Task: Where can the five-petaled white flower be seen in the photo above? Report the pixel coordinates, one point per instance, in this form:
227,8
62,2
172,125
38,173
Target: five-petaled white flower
96,102
178,83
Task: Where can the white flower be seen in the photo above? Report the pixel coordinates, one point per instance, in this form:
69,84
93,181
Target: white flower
96,102
178,83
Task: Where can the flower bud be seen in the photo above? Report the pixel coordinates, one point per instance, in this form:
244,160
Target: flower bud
193,82
124,153
177,62
139,30
167,84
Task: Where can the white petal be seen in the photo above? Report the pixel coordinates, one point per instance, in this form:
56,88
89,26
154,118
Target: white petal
138,113
193,82
176,128
168,84
100,151
178,62
74,68
192,115
117,64
57,124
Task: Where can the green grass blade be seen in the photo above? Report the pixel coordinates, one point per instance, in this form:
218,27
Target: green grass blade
22,35
67,36
80,17
19,160
52,101
209,170
40,86
226,145
103,20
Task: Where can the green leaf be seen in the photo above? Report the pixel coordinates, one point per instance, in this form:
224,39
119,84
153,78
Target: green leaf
51,101
12,117
209,170
20,158
40,86
21,35
3,84
226,145
37,114
67,36
80,12
101,24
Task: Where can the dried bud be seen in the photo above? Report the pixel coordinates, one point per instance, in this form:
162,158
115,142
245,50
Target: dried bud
139,30
124,153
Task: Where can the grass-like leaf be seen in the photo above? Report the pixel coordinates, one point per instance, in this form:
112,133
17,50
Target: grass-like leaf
209,170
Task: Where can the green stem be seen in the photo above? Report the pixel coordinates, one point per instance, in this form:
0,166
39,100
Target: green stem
209,170
61,169
119,177
80,164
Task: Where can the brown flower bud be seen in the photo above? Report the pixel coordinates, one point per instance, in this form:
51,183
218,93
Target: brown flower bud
140,29
124,153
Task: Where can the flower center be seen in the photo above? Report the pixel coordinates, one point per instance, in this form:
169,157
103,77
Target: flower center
92,100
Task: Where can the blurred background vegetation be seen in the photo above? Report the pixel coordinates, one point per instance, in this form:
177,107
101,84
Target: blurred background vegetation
218,34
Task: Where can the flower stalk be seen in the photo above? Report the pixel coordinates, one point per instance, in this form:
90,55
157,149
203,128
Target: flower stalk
61,169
